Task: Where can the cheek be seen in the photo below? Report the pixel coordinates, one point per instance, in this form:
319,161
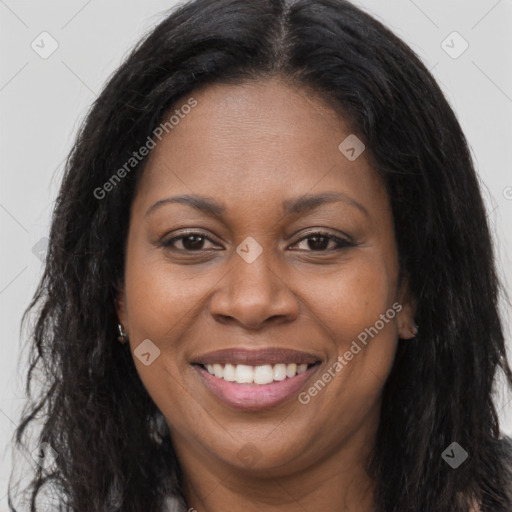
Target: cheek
356,309
347,305
163,299
164,296
353,297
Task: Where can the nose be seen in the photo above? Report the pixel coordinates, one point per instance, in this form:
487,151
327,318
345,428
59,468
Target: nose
253,295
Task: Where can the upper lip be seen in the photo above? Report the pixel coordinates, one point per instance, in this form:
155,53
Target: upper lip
256,357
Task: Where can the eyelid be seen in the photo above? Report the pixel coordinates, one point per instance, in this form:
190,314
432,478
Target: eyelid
167,242
341,241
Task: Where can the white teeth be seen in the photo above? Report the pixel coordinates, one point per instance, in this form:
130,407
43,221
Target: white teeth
301,368
264,374
291,370
279,372
229,372
218,371
244,374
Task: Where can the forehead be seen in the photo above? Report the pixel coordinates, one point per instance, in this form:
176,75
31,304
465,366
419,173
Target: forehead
259,141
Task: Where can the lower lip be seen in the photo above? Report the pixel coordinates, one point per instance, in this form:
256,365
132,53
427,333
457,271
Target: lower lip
254,397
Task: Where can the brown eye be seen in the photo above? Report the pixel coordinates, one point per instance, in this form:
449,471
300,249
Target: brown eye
319,242
191,242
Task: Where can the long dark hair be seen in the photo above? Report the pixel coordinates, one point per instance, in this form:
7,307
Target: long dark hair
114,451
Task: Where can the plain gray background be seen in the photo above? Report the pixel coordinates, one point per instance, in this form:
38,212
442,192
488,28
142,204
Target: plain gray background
42,101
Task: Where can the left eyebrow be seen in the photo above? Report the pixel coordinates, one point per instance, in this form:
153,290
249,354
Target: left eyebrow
293,206
310,202
204,204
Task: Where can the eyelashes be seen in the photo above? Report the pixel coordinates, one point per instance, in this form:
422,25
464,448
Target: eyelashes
322,235
195,241
190,235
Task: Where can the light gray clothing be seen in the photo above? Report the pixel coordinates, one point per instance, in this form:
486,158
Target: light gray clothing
174,504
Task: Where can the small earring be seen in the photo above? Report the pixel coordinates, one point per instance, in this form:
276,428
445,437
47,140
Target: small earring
415,329
123,337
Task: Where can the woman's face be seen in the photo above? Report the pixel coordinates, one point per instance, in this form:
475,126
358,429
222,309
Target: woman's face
259,283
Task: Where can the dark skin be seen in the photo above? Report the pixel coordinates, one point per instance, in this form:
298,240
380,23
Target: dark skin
251,147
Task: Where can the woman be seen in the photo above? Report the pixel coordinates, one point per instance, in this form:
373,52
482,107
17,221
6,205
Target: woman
270,282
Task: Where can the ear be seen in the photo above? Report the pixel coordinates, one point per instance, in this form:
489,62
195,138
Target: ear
405,317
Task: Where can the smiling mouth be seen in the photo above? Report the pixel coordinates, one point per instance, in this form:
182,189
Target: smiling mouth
255,389
254,380
256,375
